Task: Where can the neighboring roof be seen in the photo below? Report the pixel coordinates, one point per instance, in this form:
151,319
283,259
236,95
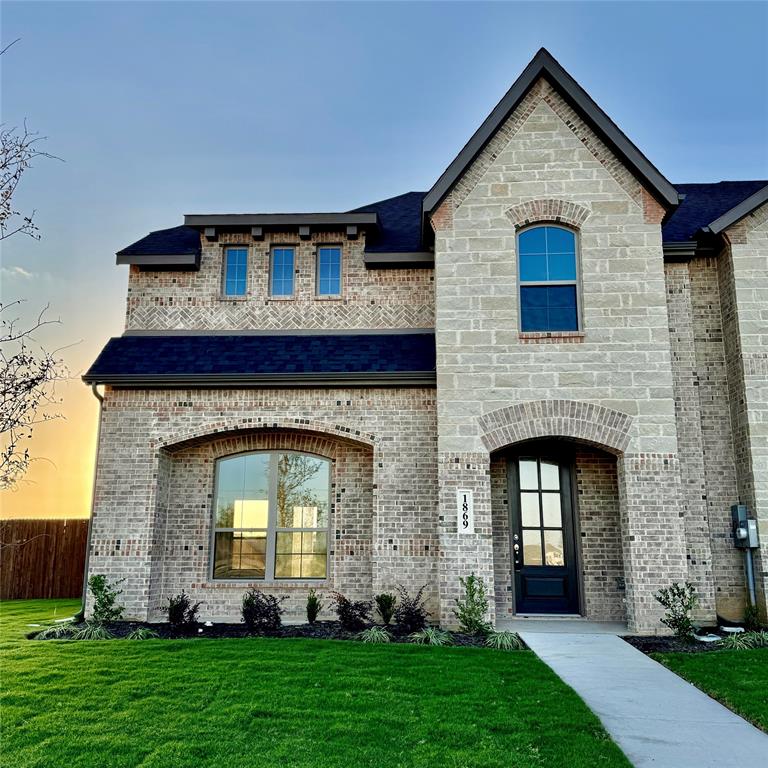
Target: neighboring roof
180,244
704,204
295,360
544,65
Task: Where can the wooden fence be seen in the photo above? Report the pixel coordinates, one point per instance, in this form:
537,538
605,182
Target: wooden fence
42,558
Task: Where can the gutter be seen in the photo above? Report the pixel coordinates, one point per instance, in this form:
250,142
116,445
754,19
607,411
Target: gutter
80,616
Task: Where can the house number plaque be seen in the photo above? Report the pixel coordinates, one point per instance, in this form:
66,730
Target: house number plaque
465,511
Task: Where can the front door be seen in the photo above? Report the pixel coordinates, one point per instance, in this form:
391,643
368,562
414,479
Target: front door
543,543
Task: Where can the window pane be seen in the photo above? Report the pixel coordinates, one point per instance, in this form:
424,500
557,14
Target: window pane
288,543
287,566
548,308
560,240
282,272
553,548
303,484
561,266
533,266
529,509
314,543
529,478
550,503
314,566
235,271
550,476
532,547
242,492
329,271
532,241
240,554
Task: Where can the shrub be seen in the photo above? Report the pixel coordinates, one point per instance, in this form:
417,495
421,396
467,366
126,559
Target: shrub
744,640
410,613
105,593
504,641
141,633
752,619
182,614
352,615
314,606
471,609
374,635
431,636
92,630
62,631
679,600
385,606
261,612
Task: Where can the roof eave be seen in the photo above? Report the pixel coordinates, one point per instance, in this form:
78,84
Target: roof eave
400,260
180,261
544,65
277,220
735,214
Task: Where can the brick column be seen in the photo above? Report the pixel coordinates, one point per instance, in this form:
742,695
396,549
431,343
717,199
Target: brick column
462,554
652,532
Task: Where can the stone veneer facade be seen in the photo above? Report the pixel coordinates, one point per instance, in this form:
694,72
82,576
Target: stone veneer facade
662,393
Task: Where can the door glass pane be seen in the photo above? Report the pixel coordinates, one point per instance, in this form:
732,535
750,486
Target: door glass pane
553,548
550,476
529,479
240,554
529,509
532,547
550,503
302,491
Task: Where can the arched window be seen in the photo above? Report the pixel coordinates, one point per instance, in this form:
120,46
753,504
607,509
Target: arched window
547,265
270,516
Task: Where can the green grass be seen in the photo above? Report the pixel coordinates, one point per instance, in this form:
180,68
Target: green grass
289,703
738,679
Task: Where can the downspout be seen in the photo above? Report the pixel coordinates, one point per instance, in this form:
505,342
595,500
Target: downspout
81,615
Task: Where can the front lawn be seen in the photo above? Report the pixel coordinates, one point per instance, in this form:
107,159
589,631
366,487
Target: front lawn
276,702
738,679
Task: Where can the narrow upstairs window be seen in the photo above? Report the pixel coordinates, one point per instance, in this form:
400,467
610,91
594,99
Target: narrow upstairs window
235,271
281,272
329,271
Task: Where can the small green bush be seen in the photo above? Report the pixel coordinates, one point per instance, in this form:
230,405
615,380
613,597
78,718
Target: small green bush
385,606
752,619
63,631
353,615
431,636
106,609
410,613
679,600
314,606
374,635
472,608
182,614
141,633
740,641
92,630
504,641
261,612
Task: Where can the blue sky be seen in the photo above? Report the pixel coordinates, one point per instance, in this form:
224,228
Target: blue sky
161,109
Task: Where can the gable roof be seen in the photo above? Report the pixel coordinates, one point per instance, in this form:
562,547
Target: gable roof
710,207
179,246
544,65
267,359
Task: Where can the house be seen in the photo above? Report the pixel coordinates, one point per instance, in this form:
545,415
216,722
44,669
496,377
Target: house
549,369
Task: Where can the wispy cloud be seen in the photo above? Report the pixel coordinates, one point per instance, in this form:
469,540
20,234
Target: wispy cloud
17,272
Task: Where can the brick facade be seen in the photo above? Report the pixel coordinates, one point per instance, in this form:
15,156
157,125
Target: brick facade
661,395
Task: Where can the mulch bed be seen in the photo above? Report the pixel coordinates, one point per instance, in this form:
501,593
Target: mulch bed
320,630
671,644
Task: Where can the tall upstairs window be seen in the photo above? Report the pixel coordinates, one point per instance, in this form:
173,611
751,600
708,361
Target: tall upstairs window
547,266
281,272
329,271
235,271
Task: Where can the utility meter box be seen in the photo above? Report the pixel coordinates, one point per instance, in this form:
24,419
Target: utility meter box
744,528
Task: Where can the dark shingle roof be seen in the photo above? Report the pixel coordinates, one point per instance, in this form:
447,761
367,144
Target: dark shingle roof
259,359
399,224
176,240
703,204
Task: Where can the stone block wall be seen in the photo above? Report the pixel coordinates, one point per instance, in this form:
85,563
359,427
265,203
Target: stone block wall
371,298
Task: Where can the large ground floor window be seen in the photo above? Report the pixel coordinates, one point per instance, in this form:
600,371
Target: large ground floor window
270,516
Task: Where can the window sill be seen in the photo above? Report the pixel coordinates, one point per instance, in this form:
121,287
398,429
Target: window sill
223,297
263,583
551,337
328,298
280,298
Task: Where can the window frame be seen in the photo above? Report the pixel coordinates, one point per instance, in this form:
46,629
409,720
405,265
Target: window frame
272,528
331,296
281,296
225,251
545,283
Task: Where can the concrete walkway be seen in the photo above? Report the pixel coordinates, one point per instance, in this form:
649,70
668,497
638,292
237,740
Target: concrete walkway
656,717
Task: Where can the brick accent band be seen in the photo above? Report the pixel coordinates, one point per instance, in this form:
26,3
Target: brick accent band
549,209
589,423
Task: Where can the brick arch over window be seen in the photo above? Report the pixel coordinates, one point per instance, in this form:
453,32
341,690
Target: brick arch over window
222,430
548,209
589,423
